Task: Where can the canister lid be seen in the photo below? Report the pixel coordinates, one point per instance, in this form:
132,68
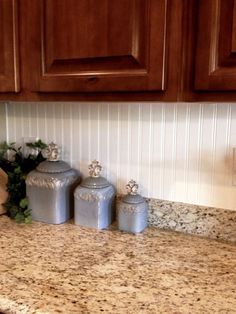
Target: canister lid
94,181
132,197
52,164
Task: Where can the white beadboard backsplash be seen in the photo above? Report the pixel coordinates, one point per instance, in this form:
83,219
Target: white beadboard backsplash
175,151
2,122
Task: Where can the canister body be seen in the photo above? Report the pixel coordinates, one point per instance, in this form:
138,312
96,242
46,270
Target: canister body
132,217
94,207
50,195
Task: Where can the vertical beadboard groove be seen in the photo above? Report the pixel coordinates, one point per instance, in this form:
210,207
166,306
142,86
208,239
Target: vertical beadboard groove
228,178
10,118
3,121
129,144
44,106
45,116
227,144
71,150
52,115
118,150
98,133
80,136
108,143
150,150
187,136
162,151
89,133
46,122
213,157
37,119
22,118
54,122
174,150
155,144
139,143
16,124
32,121
6,116
28,120
62,131
199,150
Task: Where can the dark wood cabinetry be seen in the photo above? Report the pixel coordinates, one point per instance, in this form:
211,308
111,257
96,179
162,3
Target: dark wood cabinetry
89,49
216,46
89,46
163,50
9,67
209,50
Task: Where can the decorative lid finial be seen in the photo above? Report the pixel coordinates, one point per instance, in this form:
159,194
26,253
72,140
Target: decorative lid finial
94,169
132,187
52,152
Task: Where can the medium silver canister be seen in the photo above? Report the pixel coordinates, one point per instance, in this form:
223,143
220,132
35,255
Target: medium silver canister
50,187
132,210
94,200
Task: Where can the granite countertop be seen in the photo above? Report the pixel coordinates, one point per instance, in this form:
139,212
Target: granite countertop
70,269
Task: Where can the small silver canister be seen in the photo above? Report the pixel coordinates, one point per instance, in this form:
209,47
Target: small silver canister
50,187
132,210
94,200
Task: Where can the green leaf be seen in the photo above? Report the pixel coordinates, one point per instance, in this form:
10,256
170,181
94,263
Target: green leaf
17,170
28,219
27,212
37,144
20,217
24,202
4,146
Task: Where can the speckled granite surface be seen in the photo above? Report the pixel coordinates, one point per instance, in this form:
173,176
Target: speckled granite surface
209,222
69,269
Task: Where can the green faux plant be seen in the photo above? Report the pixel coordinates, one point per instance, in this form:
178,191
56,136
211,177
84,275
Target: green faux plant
17,167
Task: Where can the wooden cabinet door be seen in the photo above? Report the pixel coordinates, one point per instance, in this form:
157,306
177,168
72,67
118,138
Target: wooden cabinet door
216,46
96,45
9,68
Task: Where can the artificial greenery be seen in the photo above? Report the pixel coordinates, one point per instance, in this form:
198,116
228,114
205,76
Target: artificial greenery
17,166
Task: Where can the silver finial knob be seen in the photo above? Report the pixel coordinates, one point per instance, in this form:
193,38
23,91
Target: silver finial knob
94,169
132,187
52,152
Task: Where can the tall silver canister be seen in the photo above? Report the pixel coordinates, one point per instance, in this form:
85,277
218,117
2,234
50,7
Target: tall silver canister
50,188
94,200
132,210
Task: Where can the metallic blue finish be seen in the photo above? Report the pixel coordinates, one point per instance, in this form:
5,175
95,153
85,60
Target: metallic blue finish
94,207
51,195
132,217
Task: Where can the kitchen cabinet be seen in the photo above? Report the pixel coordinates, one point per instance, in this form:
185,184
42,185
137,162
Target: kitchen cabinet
216,46
163,50
98,46
209,50
92,50
9,66
80,49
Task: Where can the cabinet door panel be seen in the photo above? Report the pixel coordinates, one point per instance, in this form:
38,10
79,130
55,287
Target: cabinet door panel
216,45
9,76
90,45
